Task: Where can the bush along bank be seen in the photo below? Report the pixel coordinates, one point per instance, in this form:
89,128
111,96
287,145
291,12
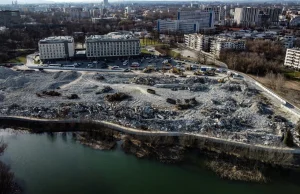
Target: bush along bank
229,160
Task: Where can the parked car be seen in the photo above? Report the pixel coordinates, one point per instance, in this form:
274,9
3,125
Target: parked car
90,65
115,67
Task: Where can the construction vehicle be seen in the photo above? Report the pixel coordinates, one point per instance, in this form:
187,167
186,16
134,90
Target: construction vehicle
149,69
198,73
210,72
223,80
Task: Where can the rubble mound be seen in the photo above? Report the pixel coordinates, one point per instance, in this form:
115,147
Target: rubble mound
144,81
51,93
232,87
116,97
66,76
106,89
6,72
193,80
99,77
261,108
15,82
73,96
2,97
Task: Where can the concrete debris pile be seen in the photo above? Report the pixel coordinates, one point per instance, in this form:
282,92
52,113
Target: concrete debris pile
116,97
14,82
106,89
6,73
231,87
151,81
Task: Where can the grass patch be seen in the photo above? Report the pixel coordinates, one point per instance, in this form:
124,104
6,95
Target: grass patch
145,51
149,42
293,75
21,59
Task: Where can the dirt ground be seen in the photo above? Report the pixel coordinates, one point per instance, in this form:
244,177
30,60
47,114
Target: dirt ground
290,91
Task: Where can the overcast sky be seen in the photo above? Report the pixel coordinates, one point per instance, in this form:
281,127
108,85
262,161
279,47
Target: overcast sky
94,1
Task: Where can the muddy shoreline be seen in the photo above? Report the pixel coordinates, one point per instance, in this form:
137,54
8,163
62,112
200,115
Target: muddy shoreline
229,161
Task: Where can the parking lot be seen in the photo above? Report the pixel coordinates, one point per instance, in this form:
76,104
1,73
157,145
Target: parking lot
119,63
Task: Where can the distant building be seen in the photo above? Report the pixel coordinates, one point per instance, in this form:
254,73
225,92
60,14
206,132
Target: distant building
187,22
198,42
247,16
219,12
292,58
288,41
295,21
56,47
112,44
105,2
274,14
8,17
219,45
127,11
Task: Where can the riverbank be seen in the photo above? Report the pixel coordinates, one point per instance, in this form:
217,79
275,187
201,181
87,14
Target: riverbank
168,147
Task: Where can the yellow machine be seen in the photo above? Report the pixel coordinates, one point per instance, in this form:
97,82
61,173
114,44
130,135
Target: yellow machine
223,80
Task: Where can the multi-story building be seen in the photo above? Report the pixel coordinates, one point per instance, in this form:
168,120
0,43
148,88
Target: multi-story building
247,16
8,17
219,12
56,47
288,41
198,42
112,44
105,2
188,22
274,14
292,58
220,44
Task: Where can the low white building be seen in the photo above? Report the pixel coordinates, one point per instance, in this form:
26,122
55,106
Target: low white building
220,44
56,47
197,42
292,58
112,44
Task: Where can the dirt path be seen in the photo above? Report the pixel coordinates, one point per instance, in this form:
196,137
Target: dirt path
73,82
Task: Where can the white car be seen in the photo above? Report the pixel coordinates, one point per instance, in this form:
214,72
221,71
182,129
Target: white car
115,67
90,65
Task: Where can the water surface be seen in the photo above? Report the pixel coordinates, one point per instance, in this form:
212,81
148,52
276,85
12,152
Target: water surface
48,164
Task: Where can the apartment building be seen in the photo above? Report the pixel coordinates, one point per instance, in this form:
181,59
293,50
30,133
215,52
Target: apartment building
220,44
56,47
187,22
198,42
218,10
247,16
292,58
112,44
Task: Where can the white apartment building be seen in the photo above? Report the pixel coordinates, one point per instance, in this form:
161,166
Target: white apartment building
112,44
197,42
220,44
292,58
247,16
56,47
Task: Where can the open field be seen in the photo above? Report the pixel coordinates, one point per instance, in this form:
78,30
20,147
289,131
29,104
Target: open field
234,110
21,59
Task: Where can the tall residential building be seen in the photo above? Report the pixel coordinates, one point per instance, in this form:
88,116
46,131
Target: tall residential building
105,2
274,14
8,17
247,16
188,22
218,10
112,44
127,10
56,47
220,44
292,58
198,42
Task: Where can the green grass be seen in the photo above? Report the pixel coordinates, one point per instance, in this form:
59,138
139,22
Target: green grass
145,51
21,59
293,75
149,42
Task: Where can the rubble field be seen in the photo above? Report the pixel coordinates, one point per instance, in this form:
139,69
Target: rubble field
234,110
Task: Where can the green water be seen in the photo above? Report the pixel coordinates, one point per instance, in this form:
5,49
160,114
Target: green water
45,164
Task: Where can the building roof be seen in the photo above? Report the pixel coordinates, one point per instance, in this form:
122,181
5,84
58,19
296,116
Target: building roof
57,39
124,35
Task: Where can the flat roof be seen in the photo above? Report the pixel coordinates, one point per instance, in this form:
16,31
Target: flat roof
57,39
124,35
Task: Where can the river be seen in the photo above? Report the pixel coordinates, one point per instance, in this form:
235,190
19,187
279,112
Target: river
49,164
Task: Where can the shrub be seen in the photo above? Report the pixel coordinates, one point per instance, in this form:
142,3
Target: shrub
288,139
